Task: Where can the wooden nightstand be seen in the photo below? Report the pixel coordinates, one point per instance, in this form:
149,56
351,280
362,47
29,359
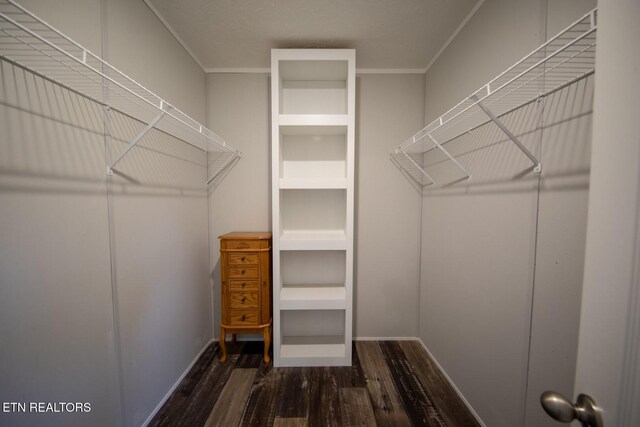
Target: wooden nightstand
245,266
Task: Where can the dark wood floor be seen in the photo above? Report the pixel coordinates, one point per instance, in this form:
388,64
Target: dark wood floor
390,383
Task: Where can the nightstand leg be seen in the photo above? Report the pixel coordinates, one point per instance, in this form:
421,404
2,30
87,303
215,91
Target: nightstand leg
223,337
233,339
266,333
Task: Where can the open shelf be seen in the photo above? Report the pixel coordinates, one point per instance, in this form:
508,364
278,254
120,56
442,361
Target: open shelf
317,210
563,60
314,338
309,240
312,298
313,86
292,120
313,183
313,157
313,351
28,42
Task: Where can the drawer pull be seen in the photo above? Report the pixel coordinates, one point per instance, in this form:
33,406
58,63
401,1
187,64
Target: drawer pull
244,284
243,317
244,299
243,258
242,272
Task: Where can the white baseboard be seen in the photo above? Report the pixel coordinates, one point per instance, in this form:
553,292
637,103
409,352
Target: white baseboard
177,383
453,385
246,337
386,339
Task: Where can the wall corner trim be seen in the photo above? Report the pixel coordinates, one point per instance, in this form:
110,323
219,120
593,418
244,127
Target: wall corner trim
176,384
174,33
453,35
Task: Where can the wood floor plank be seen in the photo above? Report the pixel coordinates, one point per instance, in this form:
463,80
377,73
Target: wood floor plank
252,354
261,406
324,396
293,401
417,402
197,371
324,400
387,406
207,391
173,409
289,422
451,407
356,409
228,410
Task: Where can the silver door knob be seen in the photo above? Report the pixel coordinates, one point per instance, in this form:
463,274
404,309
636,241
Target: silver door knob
561,409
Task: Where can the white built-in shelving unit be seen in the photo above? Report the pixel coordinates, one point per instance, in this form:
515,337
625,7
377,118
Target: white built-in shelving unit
28,42
313,145
564,59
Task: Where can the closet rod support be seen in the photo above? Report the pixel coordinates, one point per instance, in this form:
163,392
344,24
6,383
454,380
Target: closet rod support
224,166
420,168
537,166
446,153
137,139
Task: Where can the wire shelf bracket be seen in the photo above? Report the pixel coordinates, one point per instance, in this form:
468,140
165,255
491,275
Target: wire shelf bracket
537,167
28,42
563,60
135,141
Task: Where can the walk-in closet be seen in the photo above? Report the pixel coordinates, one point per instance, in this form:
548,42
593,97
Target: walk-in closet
314,212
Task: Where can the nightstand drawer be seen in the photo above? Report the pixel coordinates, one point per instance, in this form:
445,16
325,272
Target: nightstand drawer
243,285
243,258
242,244
244,317
244,299
242,272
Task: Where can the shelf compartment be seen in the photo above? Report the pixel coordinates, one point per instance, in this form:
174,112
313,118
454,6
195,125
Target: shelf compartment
313,183
329,120
313,157
313,210
312,298
564,59
29,43
309,240
313,86
312,280
313,351
313,337
313,268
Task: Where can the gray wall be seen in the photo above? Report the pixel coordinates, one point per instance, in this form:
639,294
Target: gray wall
389,108
502,256
238,109
104,282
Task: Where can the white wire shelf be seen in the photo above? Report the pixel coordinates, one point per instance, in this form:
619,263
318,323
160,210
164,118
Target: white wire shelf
28,42
564,59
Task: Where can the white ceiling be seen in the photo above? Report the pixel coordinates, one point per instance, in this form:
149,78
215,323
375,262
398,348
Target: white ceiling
387,34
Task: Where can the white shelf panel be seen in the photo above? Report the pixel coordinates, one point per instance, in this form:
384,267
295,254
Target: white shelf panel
312,183
312,298
313,351
310,130
307,240
306,70
333,120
